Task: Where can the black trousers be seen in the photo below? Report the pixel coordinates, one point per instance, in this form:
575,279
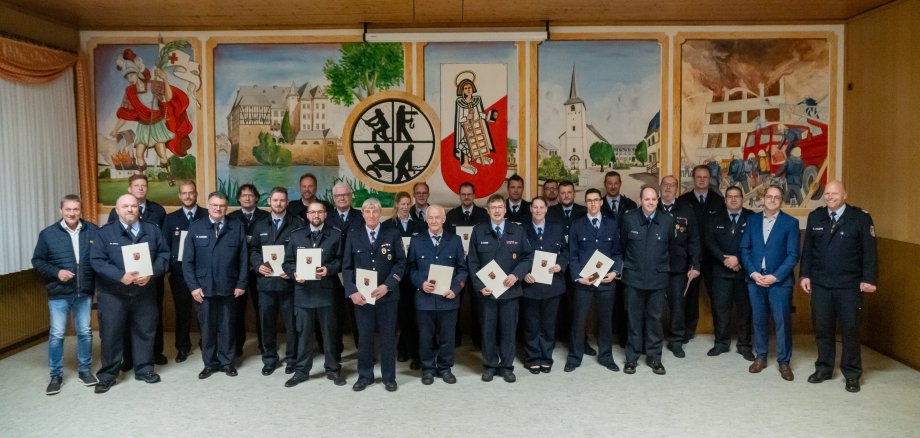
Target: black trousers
122,316
731,294
436,335
620,316
239,320
677,304
379,318
184,305
158,337
408,328
645,307
540,329
583,298
471,300
272,305
828,308
345,317
305,319
499,326
216,319
564,313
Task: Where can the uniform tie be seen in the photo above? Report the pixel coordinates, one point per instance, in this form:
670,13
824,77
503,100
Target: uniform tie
190,216
540,233
596,223
702,199
437,240
833,218
343,217
373,237
277,223
514,208
216,229
498,231
568,212
248,216
466,216
734,219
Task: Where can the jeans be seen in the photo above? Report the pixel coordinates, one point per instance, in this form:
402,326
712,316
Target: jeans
81,307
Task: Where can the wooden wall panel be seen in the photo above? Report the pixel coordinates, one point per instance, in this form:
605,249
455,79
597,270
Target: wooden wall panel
890,316
23,308
17,23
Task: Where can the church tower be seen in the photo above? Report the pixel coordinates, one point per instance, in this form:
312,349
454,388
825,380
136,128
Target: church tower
575,139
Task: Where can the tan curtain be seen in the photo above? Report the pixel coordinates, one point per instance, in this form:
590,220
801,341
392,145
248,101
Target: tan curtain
25,63
86,140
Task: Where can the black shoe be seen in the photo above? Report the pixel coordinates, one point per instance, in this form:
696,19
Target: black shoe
612,366
150,377
852,385
818,377
336,378
54,386
509,376
534,369
488,374
296,379
230,371
569,368
205,373
103,387
656,366
268,369
88,379
630,368
717,350
589,350
678,350
415,365
126,365
747,354
427,379
181,356
360,385
391,386
546,369
448,377
160,359
289,369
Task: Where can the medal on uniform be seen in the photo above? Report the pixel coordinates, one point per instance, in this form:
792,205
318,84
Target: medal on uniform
383,250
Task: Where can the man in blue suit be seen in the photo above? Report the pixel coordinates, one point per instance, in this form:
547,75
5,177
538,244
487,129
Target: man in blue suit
769,252
215,265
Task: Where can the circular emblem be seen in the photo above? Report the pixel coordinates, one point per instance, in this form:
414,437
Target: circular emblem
390,141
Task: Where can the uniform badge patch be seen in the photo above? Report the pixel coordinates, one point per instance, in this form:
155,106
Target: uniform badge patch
872,230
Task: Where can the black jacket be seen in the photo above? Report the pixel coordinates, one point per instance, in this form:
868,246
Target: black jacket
843,255
265,233
721,239
54,252
316,293
646,256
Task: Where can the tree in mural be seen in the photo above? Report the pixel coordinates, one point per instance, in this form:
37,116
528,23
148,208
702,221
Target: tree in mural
364,69
270,153
601,153
287,131
642,152
554,168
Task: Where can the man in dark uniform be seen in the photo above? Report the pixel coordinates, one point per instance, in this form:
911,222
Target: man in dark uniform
436,313
153,213
685,261
506,243
421,192
174,226
615,204
345,218
706,203
729,289
378,249
467,214
517,209
839,264
127,301
248,197
298,207
564,213
314,299
647,236
216,265
275,291
593,232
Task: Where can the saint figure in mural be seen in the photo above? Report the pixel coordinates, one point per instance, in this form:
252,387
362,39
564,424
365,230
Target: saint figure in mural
158,108
472,138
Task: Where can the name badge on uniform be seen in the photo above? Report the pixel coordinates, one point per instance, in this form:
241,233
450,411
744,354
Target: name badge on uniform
514,256
633,232
818,228
178,232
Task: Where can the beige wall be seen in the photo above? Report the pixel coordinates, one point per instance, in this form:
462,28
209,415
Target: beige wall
881,156
17,23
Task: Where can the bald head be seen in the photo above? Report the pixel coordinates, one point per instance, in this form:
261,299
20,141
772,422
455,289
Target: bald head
126,207
835,195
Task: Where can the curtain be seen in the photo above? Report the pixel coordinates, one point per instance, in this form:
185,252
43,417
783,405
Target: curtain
26,63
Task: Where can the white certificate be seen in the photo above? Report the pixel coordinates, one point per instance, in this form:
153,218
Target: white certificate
274,256
542,261
441,276
366,281
182,235
465,233
405,241
493,277
597,267
308,260
137,259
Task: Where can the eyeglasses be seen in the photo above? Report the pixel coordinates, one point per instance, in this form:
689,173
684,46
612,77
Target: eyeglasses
316,212
341,195
592,201
773,197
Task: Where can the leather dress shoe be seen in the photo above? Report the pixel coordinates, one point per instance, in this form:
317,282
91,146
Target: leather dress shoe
160,359
759,364
360,385
569,368
509,376
268,369
678,350
336,378
181,356
630,368
852,385
103,387
747,354
296,379
205,373
534,369
289,369
150,377
546,369
818,377
230,371
656,366
589,350
786,372
612,366
488,374
427,379
448,377
390,386
715,351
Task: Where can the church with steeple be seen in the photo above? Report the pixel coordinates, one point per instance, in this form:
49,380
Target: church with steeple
579,135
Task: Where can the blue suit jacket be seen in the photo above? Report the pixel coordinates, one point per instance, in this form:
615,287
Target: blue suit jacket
553,241
781,250
216,264
423,254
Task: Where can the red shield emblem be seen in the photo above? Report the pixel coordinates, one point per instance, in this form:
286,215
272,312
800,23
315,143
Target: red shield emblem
309,260
137,256
599,264
492,275
542,263
274,257
367,281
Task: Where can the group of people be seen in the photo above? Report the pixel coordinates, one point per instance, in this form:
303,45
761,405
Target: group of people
522,268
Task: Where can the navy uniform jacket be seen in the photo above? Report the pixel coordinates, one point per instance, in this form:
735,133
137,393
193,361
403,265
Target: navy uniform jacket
108,262
54,252
841,256
297,208
315,293
721,240
522,216
623,206
247,224
686,247
715,204
423,254
584,239
646,256
413,227
557,213
553,241
153,213
385,256
512,252
456,218
217,265
355,220
265,233
173,226
414,213
781,250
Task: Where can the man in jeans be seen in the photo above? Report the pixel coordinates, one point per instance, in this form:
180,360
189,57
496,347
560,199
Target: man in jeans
62,259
